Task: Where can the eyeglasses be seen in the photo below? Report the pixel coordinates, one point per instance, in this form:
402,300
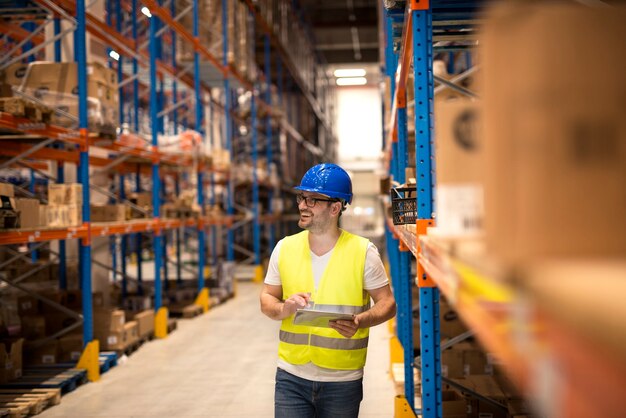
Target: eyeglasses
311,201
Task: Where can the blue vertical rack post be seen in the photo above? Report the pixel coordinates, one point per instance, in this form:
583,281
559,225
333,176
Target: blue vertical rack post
161,315
200,178
230,210
89,358
269,139
60,171
256,231
399,262
428,292
256,225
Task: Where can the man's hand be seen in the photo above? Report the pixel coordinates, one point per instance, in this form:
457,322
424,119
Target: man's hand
345,328
295,302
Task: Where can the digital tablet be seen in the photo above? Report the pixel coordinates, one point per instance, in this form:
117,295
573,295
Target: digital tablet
315,318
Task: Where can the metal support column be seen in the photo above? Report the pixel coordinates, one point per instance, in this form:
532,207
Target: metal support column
123,245
269,142
230,252
156,179
429,294
84,255
199,128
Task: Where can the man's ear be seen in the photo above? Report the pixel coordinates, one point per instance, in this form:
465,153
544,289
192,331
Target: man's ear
336,209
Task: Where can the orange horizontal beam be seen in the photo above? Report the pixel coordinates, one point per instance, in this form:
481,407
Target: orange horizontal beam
41,235
18,33
13,149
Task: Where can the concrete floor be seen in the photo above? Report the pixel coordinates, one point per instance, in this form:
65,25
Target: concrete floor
221,364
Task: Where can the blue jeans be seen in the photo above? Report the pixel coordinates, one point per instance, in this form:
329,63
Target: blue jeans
295,397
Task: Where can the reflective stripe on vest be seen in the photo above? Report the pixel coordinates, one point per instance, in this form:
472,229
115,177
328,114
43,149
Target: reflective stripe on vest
324,342
340,290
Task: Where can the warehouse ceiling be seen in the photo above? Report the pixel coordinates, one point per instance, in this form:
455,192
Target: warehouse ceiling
345,31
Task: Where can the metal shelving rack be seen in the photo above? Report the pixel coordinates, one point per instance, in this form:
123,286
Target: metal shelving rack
144,49
555,362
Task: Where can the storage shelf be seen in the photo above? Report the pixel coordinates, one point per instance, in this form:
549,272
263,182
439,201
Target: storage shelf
523,332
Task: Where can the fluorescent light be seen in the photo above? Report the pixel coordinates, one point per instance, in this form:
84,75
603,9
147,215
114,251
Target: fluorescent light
114,55
146,11
351,81
350,72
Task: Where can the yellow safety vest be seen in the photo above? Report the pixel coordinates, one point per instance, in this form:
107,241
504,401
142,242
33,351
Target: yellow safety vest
340,290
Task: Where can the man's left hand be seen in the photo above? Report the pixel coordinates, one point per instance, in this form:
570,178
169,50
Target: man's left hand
345,328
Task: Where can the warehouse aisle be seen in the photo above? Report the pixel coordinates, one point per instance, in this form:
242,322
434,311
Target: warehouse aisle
221,364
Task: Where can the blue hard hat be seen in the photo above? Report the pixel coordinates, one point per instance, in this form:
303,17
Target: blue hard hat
329,180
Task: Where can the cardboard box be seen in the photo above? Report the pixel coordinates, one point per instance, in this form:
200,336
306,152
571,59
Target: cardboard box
58,216
10,359
110,340
27,305
452,363
6,189
131,335
57,321
29,212
555,132
145,323
74,215
33,327
453,405
46,353
108,213
459,163
13,75
65,194
70,348
43,215
109,319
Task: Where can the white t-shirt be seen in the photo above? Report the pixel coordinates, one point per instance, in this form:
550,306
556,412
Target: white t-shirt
374,277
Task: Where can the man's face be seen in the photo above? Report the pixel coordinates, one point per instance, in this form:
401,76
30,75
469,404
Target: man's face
314,218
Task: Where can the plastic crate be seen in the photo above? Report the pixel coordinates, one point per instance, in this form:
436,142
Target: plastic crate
404,205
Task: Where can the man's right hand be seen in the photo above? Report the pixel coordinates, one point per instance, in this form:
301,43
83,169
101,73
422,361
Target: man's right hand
295,302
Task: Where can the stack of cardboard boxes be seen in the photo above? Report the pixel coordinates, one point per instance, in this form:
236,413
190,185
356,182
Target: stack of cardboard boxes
56,85
65,205
118,330
20,212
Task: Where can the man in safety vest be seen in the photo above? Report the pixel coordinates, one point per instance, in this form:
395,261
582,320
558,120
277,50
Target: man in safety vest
320,369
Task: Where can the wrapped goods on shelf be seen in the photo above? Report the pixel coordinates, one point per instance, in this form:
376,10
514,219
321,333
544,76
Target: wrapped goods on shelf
108,213
10,359
43,215
60,216
65,194
28,210
13,75
459,168
209,32
9,217
6,189
56,85
555,132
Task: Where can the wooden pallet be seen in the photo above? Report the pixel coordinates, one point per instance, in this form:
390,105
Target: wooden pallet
26,109
36,400
107,359
186,311
49,377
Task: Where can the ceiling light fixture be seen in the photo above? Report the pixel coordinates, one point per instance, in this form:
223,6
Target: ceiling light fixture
350,72
113,54
146,11
351,81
